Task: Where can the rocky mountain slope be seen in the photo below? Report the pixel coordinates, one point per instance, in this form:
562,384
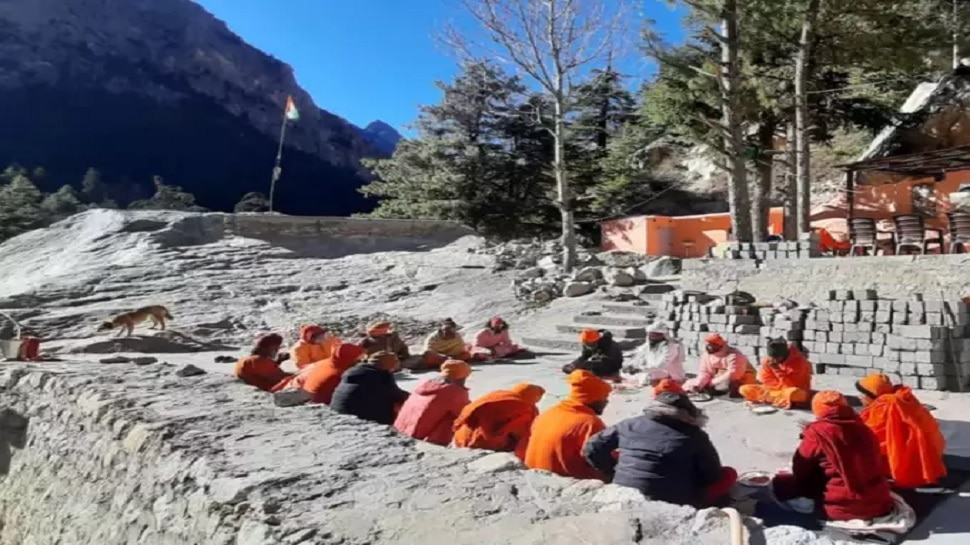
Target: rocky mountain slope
137,88
382,136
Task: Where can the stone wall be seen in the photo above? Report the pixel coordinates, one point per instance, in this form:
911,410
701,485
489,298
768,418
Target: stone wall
125,454
924,344
805,280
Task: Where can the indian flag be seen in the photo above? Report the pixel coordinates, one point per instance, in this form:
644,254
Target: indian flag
291,112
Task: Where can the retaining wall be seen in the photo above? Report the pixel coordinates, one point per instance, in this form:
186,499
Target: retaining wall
123,454
804,280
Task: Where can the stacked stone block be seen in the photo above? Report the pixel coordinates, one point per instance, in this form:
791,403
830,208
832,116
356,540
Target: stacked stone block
763,251
925,344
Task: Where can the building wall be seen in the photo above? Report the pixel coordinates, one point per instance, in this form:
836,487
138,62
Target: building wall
681,236
888,199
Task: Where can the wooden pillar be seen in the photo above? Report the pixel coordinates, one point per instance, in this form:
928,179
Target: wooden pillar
849,195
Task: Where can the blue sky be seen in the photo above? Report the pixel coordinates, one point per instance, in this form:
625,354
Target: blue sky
375,59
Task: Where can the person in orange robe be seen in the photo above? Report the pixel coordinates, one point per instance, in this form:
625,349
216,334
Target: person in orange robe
321,379
560,433
262,367
909,437
500,421
785,376
316,344
443,345
430,412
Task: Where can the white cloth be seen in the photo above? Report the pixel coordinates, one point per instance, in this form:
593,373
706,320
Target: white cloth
663,360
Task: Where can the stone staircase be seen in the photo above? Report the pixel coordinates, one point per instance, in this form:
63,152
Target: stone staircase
627,320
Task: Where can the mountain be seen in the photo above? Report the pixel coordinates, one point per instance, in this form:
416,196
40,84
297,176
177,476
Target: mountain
382,136
137,88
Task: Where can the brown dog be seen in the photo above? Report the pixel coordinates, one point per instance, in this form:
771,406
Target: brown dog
127,321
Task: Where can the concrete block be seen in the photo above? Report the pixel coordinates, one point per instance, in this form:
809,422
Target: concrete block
920,331
868,306
933,306
900,306
916,318
843,295
833,348
747,329
867,316
934,318
930,383
930,369
907,357
837,317
836,326
889,366
850,327
917,307
884,317
836,336
875,350
931,356
883,328
742,320
899,318
866,294
836,306
858,361
907,369
879,338
831,359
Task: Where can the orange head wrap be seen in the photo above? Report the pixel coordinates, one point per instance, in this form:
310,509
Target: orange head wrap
585,387
346,355
828,402
455,370
667,385
530,393
378,329
308,332
715,339
874,385
589,336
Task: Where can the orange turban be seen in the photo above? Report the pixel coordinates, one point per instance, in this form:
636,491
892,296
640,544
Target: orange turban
530,393
715,339
667,385
874,385
826,401
378,328
585,387
588,336
455,370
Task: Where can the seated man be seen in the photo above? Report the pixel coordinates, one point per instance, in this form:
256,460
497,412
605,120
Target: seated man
381,338
429,413
559,433
262,367
369,391
785,375
443,345
909,437
321,379
837,465
494,342
500,421
665,453
662,357
723,369
316,344
601,355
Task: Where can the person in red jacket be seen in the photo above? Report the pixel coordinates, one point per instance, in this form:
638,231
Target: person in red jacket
838,465
429,413
320,379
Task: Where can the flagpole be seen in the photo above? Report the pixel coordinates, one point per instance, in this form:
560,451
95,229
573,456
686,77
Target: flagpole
279,157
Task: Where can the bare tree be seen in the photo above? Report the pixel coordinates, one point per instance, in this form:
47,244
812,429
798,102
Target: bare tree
554,43
802,140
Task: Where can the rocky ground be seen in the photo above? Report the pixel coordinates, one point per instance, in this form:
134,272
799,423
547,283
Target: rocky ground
61,282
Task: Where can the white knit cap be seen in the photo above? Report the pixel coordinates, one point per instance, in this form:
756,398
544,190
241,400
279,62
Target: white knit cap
657,327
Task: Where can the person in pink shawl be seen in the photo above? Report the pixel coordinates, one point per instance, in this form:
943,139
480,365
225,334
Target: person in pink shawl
723,369
494,342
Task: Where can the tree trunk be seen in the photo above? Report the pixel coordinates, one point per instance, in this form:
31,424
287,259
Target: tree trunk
762,187
803,147
791,184
955,21
738,195
562,188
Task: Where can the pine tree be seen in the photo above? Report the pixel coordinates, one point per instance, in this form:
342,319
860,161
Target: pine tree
61,204
252,202
20,207
168,197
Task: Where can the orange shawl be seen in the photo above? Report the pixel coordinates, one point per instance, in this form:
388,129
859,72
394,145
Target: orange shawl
498,421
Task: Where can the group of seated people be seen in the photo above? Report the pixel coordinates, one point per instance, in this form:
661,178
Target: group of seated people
846,463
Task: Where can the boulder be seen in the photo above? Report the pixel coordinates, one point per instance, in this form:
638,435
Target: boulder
144,360
662,267
189,370
549,263
638,275
531,272
619,278
496,463
620,258
577,289
588,274
291,398
115,359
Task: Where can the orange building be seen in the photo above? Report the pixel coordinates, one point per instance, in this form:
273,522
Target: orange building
679,236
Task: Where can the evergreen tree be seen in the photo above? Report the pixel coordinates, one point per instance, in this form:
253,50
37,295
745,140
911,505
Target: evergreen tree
61,204
252,202
167,197
20,207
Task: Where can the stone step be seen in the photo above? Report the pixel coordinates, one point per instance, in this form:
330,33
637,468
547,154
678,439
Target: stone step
568,344
619,332
657,289
630,309
610,321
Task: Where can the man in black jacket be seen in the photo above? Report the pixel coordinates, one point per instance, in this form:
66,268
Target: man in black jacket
601,355
369,391
664,454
